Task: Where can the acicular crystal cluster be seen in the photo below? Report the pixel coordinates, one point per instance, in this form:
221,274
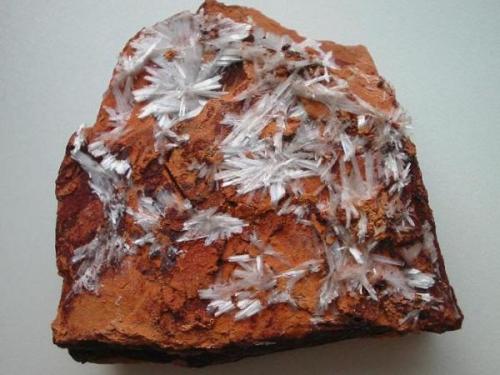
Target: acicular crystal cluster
272,144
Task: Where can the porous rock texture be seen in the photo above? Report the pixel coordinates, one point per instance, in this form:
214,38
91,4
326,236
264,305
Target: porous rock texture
243,190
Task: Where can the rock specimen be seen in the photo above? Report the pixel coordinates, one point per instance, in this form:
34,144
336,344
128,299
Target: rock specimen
243,190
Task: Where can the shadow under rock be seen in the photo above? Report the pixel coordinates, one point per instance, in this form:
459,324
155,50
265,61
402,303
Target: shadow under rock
400,355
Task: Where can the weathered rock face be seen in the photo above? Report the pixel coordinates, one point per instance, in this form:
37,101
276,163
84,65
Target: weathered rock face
243,190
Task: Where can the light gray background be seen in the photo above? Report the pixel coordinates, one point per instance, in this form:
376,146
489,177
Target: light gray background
443,57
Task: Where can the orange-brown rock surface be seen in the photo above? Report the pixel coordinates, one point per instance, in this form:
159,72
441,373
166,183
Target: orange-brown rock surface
146,304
